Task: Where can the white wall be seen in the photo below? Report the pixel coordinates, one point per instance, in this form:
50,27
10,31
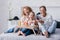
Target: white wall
40,2
53,7
3,15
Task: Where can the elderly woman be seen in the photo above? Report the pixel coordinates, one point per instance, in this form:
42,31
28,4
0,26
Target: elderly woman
24,21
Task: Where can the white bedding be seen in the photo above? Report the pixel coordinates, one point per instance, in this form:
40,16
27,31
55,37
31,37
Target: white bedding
14,36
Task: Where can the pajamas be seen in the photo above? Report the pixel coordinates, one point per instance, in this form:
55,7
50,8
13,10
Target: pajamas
26,31
50,29
48,25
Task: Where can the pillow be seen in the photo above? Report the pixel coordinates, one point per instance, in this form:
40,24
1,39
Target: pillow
58,24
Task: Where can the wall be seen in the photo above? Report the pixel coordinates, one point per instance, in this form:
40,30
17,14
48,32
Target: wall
14,8
3,15
53,6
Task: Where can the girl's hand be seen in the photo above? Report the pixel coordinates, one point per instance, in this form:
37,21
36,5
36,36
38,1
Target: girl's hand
34,21
41,21
37,20
18,26
25,23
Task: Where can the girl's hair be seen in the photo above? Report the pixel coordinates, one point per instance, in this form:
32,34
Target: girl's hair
43,7
26,7
33,13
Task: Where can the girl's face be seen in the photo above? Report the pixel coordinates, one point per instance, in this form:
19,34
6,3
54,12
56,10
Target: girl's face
31,15
26,11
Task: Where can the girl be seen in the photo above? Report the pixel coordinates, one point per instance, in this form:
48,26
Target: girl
33,23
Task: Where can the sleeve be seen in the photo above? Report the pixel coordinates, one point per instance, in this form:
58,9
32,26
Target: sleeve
49,20
37,15
22,20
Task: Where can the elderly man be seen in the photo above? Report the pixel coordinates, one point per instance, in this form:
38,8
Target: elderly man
46,23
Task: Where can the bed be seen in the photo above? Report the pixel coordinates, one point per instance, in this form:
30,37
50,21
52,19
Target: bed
14,36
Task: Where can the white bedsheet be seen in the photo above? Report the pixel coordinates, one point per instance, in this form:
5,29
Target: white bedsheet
14,36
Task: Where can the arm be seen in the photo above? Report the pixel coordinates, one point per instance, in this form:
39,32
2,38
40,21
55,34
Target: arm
49,20
38,19
41,21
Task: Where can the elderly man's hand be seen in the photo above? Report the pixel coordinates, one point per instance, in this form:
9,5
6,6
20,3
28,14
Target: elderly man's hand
41,21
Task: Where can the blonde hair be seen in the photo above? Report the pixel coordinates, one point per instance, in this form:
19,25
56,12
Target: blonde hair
26,7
